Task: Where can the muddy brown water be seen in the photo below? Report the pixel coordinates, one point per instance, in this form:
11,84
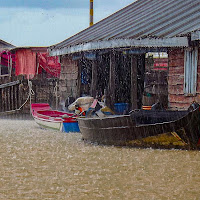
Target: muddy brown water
40,164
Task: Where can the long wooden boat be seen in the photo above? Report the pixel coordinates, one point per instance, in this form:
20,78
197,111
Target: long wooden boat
146,128
45,117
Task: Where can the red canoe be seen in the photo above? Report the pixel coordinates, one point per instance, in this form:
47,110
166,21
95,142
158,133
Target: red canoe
53,119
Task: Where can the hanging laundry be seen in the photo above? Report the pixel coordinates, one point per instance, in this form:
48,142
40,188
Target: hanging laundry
49,63
25,63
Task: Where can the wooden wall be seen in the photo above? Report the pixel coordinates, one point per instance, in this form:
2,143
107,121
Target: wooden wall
176,97
14,92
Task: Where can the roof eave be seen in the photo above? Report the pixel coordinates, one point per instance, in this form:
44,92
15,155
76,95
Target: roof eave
120,43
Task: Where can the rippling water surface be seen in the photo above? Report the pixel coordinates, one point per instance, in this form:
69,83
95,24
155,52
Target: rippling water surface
40,164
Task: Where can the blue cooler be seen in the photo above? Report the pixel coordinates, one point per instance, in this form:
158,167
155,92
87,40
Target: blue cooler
70,127
121,108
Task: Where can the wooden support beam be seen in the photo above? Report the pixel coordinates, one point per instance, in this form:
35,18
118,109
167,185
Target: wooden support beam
11,97
93,89
79,80
134,72
14,97
18,96
1,101
9,84
7,99
111,88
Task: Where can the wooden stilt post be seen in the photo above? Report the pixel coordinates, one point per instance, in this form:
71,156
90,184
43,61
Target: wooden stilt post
7,99
111,89
79,80
18,96
11,99
14,97
1,101
93,90
134,72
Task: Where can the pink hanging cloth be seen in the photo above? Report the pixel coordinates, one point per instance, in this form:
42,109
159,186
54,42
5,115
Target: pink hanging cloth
49,63
25,63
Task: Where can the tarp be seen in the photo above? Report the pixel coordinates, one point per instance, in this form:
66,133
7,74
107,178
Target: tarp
50,64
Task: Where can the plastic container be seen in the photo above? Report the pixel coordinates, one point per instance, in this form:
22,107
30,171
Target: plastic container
70,127
121,108
146,107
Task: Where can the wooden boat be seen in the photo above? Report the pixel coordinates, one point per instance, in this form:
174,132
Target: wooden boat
146,128
53,119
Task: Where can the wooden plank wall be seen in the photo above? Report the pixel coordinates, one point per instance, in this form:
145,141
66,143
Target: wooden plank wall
13,94
176,97
9,97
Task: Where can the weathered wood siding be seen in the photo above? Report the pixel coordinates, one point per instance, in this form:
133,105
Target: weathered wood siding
68,85
14,92
176,97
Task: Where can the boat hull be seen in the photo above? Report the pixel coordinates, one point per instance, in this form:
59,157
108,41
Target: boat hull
48,124
45,117
125,130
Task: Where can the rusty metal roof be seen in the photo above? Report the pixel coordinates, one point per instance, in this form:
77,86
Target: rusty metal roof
142,19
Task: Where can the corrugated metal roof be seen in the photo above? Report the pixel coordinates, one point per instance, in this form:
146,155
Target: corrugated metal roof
142,19
6,44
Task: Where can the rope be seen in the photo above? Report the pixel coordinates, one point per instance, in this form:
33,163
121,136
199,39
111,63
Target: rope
31,92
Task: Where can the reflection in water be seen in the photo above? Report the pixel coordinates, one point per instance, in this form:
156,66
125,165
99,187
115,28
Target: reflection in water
41,164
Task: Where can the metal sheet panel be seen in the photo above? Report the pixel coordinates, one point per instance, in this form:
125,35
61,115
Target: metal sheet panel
145,43
142,19
190,71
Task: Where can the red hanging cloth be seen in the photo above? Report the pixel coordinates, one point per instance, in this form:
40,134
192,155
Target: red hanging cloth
25,63
49,63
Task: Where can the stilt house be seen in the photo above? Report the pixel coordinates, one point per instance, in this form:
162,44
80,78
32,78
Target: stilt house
28,75
110,57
